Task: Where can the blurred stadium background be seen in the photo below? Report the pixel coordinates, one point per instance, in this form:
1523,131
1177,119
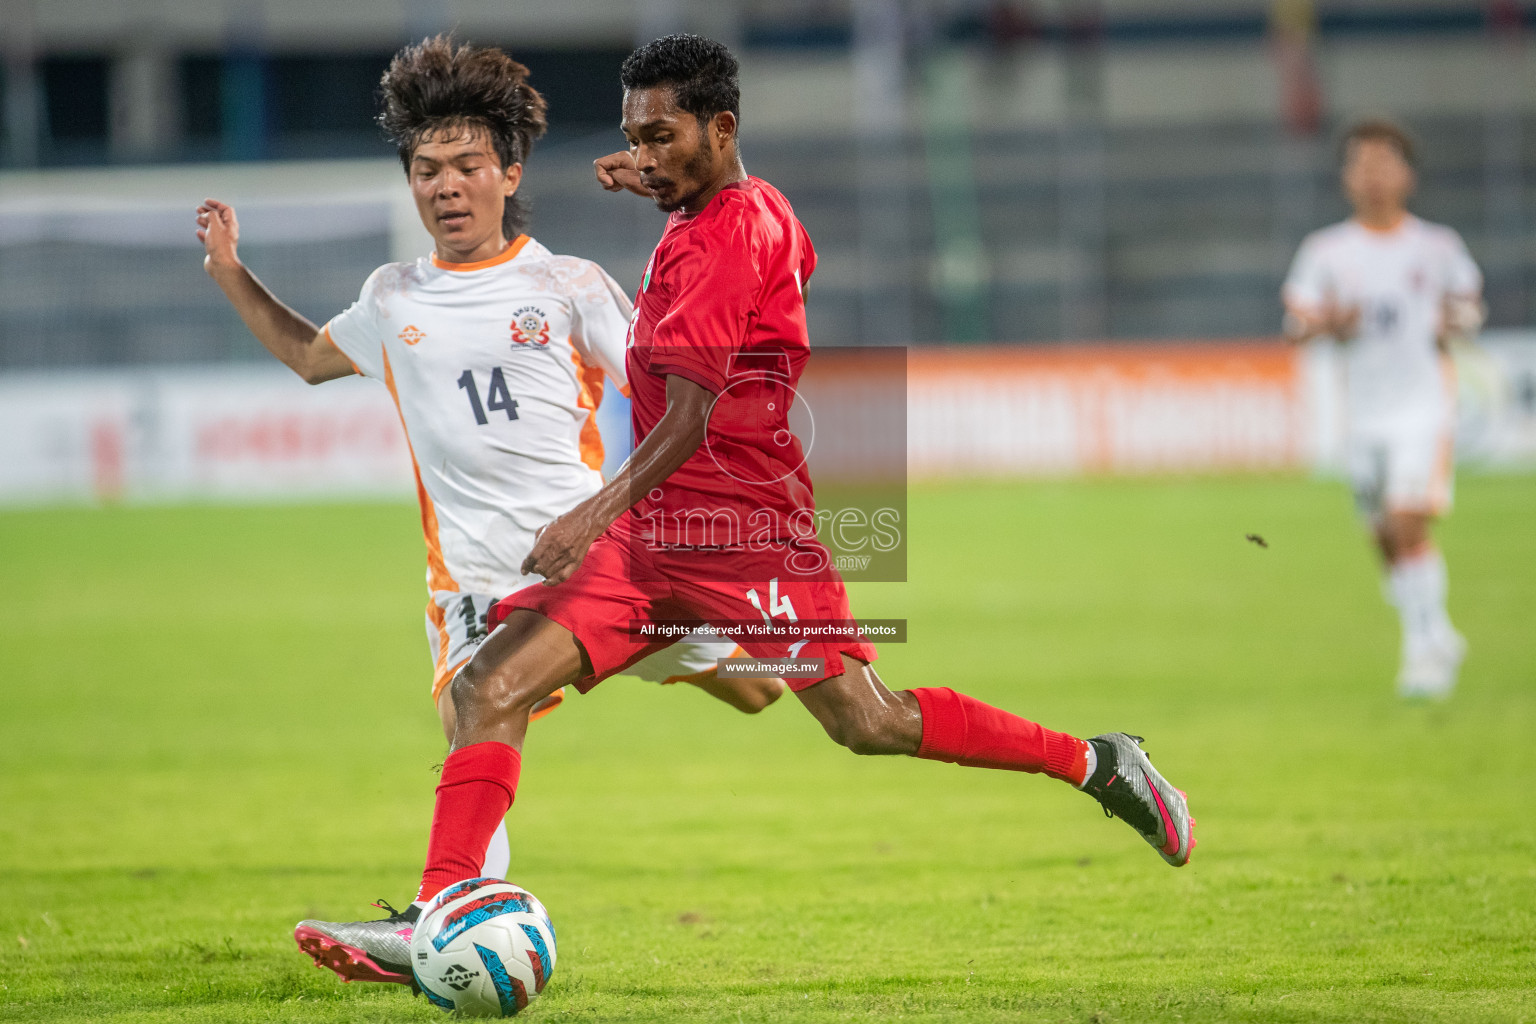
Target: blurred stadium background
1028,180
1076,217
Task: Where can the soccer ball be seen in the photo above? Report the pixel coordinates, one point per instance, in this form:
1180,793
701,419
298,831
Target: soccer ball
483,947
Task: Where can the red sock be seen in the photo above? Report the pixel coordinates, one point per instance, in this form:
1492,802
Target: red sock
473,795
963,730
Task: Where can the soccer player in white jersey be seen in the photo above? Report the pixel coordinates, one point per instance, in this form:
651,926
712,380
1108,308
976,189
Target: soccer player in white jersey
493,349
1394,291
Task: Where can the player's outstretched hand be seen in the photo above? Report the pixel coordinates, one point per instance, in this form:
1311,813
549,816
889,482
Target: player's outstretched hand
617,172
559,547
1341,323
1461,317
219,232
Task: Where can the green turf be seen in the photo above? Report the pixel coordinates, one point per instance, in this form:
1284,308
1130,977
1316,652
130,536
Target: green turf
212,724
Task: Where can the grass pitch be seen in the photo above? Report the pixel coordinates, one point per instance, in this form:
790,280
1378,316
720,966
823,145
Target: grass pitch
214,723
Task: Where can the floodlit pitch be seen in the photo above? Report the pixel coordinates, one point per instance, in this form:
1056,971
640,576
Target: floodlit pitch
213,728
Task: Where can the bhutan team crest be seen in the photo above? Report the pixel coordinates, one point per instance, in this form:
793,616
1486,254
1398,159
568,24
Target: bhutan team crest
530,326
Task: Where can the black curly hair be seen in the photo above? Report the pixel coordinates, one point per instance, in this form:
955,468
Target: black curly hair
436,86
701,72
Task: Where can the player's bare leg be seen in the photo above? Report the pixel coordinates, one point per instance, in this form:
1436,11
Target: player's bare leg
747,694
498,852
525,660
449,717
1400,533
858,711
1432,649
516,667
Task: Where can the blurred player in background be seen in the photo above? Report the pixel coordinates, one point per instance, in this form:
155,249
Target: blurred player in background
494,351
727,279
1395,291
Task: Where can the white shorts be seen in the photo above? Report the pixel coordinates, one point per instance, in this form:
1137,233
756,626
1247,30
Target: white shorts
1407,469
456,626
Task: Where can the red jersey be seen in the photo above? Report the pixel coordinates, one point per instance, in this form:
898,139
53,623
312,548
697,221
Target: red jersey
723,305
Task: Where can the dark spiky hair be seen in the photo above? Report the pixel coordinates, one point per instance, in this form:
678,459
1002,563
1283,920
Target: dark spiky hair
701,72
437,87
1379,130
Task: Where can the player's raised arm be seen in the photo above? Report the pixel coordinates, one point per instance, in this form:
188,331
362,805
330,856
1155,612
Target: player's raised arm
617,172
288,335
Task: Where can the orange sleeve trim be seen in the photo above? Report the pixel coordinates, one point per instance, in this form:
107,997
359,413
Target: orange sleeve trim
624,390
326,330
510,252
438,576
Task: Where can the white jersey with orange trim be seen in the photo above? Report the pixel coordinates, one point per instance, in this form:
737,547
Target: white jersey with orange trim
1399,280
497,369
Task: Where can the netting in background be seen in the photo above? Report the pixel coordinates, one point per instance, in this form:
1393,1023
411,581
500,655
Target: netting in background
1188,232
1184,232
123,284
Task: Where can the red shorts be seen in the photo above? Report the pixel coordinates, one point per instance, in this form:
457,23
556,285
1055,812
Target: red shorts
624,584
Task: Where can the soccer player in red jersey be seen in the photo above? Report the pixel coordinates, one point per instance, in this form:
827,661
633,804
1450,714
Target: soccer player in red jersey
713,516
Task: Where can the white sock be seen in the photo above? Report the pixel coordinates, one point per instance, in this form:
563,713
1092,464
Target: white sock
1407,596
1093,763
1418,589
1435,586
498,854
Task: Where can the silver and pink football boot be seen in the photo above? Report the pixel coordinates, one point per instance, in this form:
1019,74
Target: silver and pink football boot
1127,786
362,950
